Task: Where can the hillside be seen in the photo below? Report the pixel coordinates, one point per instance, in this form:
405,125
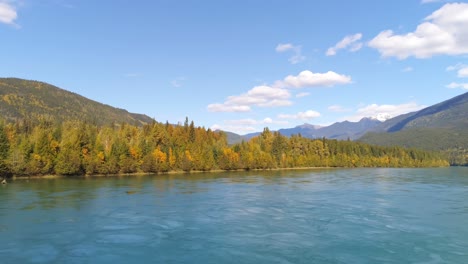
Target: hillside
451,113
24,99
443,126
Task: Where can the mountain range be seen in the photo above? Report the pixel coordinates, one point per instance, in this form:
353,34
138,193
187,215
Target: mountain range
339,130
440,127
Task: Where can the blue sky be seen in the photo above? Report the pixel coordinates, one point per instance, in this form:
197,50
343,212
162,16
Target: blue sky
243,65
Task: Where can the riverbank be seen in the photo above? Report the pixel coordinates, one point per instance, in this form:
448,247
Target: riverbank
178,172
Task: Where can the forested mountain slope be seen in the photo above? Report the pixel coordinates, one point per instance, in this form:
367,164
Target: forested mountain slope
443,126
23,99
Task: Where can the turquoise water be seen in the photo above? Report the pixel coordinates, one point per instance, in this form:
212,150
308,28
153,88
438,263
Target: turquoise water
314,216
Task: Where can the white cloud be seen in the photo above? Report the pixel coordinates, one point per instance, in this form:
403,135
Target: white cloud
228,108
252,122
408,69
267,92
301,115
310,79
455,67
178,82
374,110
337,108
455,85
243,126
275,103
284,47
268,120
300,95
297,57
8,13
262,96
462,70
277,95
242,122
444,32
215,127
241,130
346,42
356,47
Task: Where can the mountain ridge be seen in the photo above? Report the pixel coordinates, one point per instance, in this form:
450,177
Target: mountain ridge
339,130
460,100
441,127
22,99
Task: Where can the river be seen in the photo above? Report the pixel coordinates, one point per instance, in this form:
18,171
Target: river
294,216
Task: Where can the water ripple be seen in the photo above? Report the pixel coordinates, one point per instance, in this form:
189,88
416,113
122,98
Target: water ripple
317,216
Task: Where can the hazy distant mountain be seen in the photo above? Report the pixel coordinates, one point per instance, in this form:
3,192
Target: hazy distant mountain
443,126
340,130
21,99
306,130
250,135
347,129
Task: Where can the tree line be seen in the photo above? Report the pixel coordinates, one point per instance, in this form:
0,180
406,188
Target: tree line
44,147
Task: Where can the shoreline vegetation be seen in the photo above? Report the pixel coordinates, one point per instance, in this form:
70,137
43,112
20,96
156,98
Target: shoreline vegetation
42,147
189,173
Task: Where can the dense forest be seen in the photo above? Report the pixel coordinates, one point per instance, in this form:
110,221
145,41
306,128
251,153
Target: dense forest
79,148
452,142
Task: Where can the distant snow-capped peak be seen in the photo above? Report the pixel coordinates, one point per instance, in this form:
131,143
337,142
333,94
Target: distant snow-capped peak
381,117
